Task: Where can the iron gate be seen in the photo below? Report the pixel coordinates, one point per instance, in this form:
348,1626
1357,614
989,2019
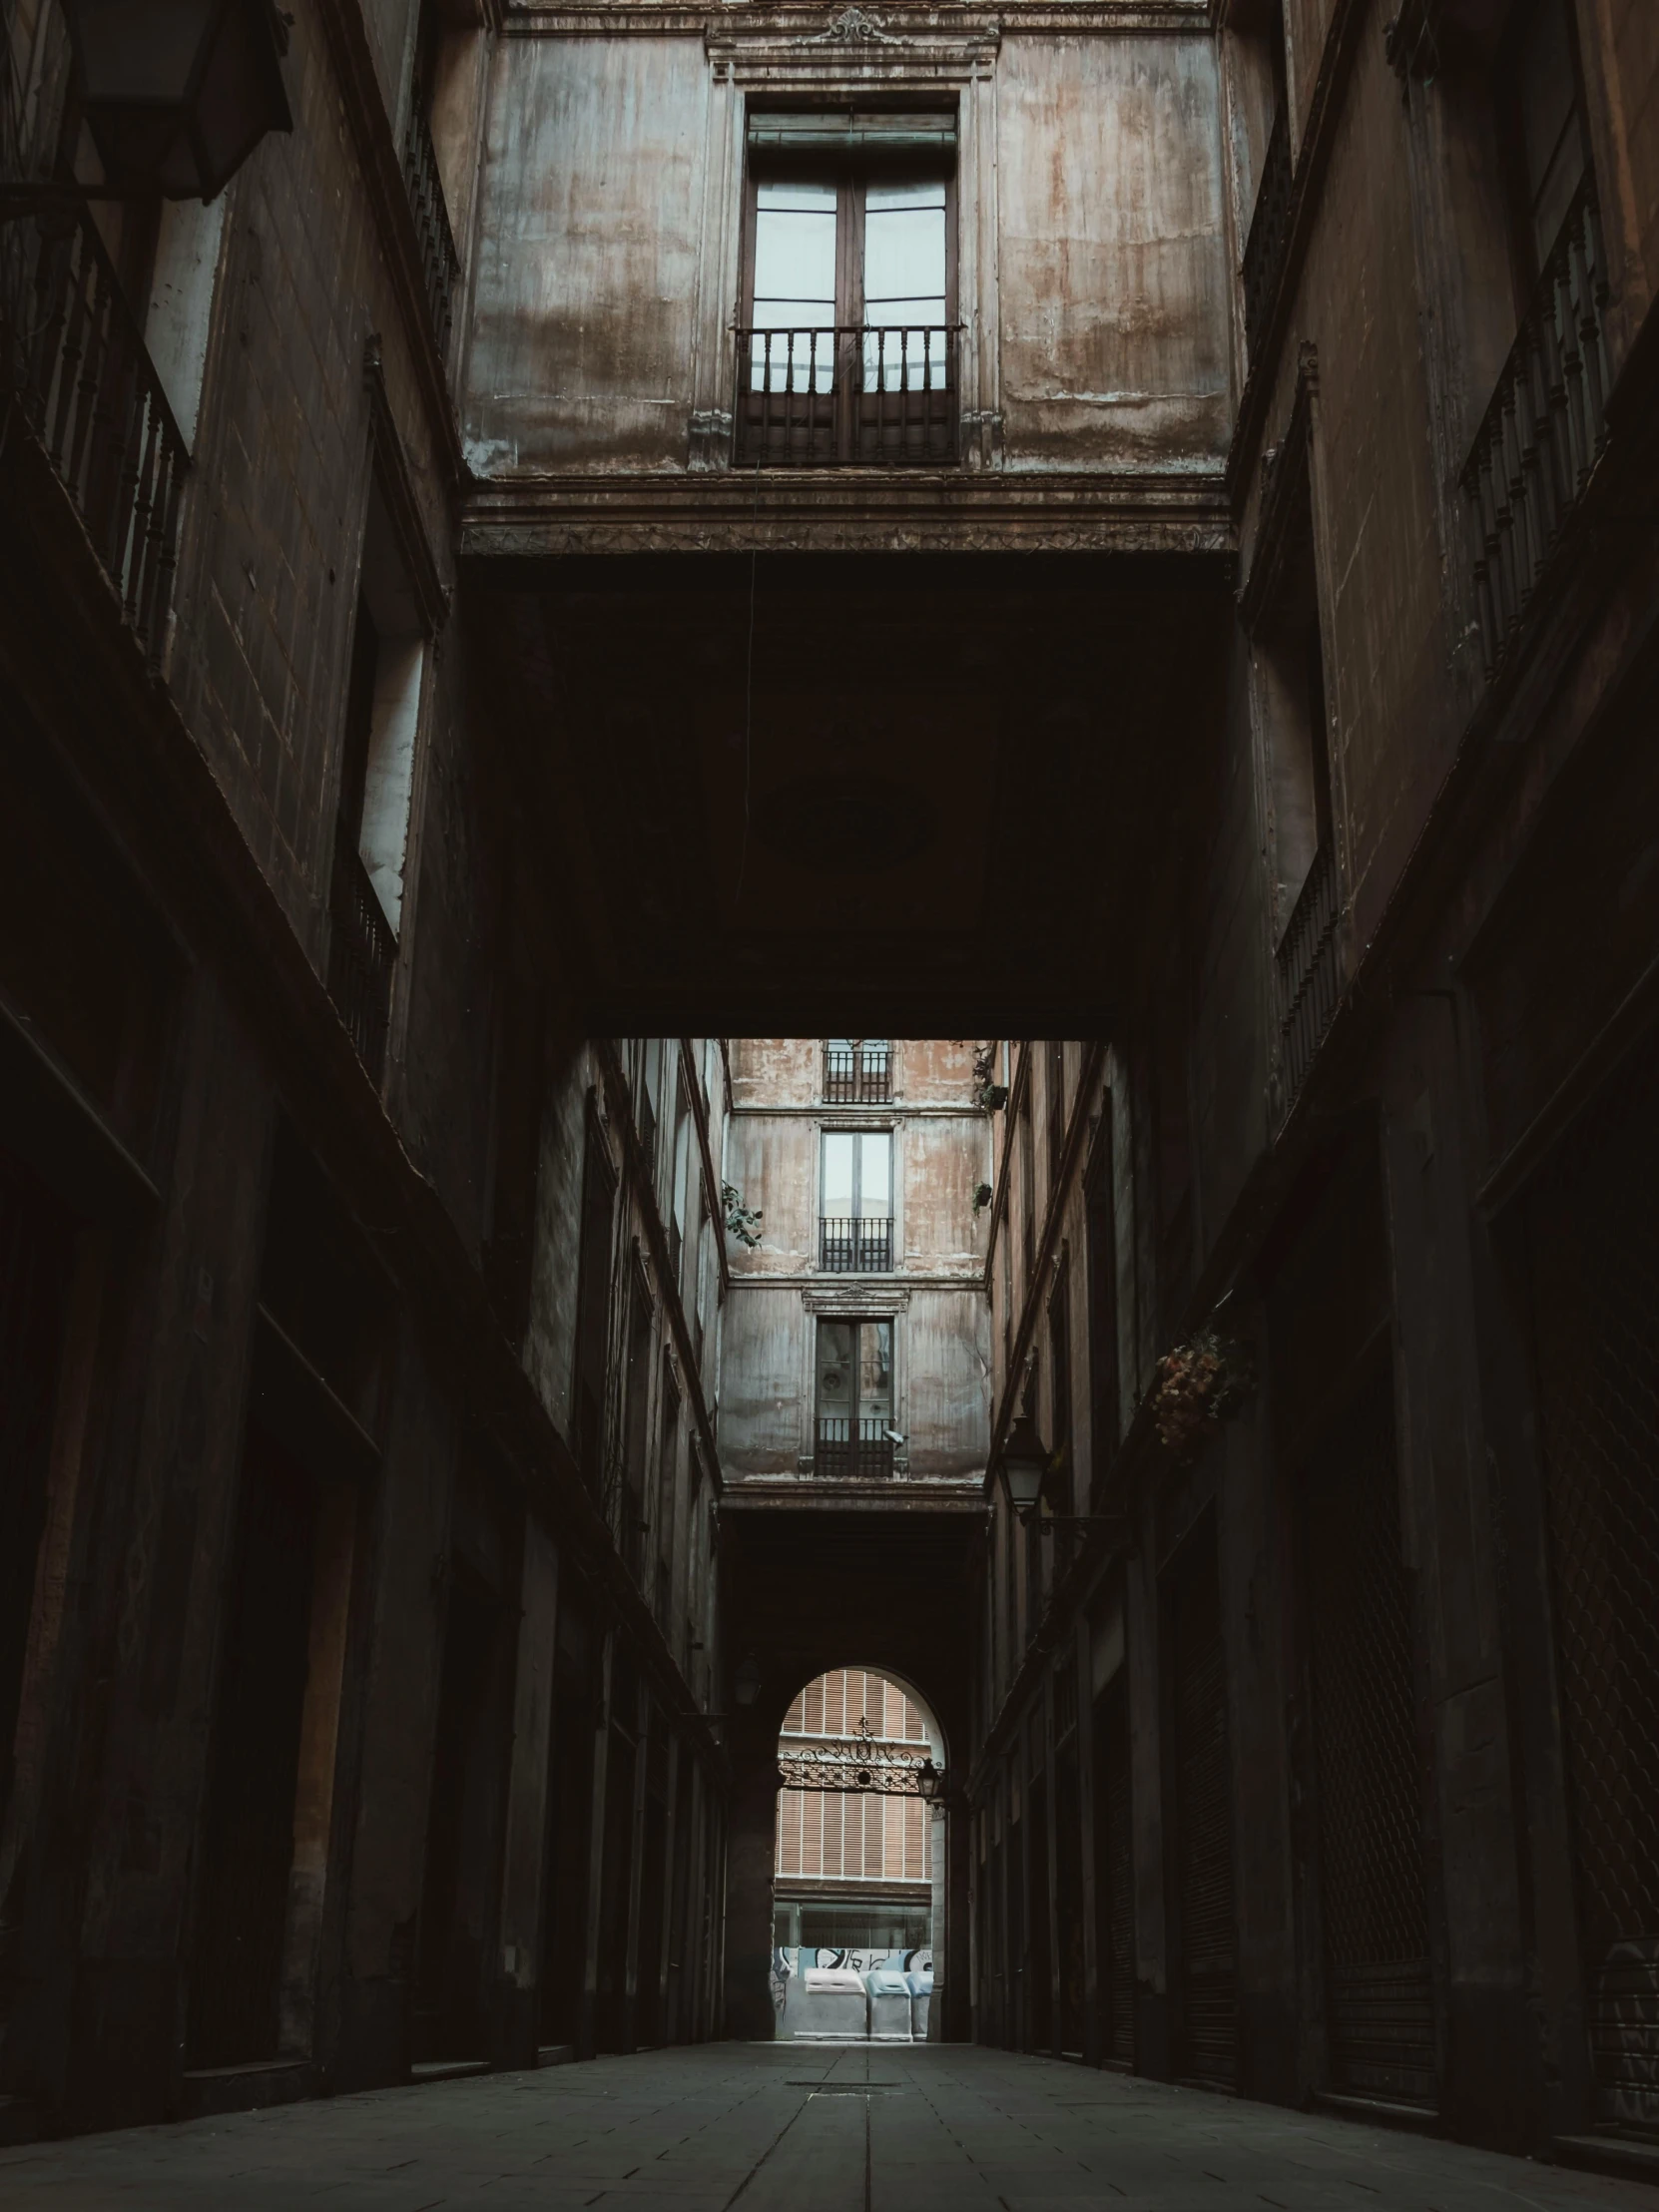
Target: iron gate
1204,1828
1593,1242
1379,1990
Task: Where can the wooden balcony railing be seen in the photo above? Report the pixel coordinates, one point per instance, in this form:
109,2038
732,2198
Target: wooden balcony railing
1307,974
844,396
1270,232
1543,431
72,351
439,262
363,953
854,1247
851,1450
857,1075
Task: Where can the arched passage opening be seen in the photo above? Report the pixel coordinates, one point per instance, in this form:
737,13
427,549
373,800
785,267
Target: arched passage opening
860,1874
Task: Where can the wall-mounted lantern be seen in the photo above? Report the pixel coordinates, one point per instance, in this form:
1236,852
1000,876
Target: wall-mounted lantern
178,93
1024,1465
745,1683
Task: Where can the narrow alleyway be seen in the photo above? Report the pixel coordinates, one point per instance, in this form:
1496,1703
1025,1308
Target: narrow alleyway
705,2127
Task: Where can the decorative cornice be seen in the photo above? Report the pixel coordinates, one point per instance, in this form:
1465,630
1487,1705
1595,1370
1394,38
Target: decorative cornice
956,510
794,26
866,1303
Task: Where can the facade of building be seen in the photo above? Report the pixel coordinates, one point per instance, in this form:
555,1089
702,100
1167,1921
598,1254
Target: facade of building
1133,518
855,1347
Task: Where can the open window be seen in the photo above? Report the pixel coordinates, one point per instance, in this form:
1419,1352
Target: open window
856,1434
848,350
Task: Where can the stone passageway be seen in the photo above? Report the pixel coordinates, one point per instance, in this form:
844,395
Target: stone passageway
782,2129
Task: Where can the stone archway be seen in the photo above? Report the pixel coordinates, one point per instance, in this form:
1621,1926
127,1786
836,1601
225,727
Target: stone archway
861,1885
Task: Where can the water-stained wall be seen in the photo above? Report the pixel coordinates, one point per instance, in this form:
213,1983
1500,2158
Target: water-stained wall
1092,279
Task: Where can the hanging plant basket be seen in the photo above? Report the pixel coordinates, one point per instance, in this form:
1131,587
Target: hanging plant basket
1197,1386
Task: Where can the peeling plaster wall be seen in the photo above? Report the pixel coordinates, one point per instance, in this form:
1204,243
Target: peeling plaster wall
607,257
935,1293
1113,265
583,330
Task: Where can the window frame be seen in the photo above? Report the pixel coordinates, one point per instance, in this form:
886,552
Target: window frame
851,170
884,1449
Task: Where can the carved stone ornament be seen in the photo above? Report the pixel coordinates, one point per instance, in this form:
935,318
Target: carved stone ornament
854,26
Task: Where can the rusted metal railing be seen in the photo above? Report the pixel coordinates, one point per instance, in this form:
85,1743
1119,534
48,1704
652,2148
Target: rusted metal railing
1543,431
845,396
853,1451
1270,232
855,1075
73,352
363,953
439,262
848,1247
1307,974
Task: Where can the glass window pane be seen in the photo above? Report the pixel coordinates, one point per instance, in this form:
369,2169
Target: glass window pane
875,1175
875,1376
905,244
794,247
838,1176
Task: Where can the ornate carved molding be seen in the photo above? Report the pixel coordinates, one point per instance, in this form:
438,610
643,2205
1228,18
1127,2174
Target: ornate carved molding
854,26
875,1303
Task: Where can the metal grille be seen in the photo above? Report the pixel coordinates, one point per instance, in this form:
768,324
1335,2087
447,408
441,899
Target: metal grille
1203,1834
441,264
1379,1992
1307,973
855,1075
70,349
362,955
866,1455
845,396
1270,232
1545,429
854,1247
1593,1235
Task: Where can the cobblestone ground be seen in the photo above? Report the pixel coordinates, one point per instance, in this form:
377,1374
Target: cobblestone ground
790,2129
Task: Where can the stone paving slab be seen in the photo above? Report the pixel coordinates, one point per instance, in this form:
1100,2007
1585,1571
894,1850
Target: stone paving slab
774,2127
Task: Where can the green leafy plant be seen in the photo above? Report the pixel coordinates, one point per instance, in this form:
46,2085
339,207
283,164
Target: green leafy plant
743,1221
982,1196
989,1095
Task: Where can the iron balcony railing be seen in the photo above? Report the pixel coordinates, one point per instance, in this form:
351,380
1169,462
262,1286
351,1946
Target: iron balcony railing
1270,232
859,1450
363,953
1307,974
857,1075
72,351
854,1247
1543,431
439,263
847,397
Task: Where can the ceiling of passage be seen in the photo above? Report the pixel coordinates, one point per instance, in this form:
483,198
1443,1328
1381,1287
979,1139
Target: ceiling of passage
852,794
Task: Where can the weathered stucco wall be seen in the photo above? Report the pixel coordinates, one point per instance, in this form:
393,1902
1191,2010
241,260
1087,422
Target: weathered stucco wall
583,325
1113,271
1090,240
934,1293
